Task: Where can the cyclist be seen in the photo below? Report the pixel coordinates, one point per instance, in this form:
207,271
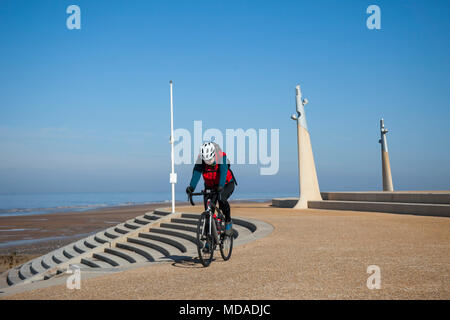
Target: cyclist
212,164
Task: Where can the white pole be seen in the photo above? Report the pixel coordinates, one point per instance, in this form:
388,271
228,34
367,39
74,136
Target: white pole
173,175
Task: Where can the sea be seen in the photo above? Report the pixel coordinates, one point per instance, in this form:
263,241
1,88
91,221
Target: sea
17,204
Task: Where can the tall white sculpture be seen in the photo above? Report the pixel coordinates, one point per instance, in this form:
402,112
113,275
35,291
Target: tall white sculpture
385,163
308,183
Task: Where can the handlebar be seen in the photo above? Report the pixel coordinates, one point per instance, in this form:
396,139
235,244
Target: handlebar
201,193
190,194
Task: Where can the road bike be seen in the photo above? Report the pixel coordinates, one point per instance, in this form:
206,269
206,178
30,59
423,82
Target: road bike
211,229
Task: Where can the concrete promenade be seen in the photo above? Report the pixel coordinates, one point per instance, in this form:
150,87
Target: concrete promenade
311,254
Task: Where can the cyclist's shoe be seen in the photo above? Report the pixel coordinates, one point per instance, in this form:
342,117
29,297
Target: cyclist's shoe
229,228
206,248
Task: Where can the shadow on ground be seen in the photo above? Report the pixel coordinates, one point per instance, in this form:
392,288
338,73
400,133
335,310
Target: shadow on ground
188,262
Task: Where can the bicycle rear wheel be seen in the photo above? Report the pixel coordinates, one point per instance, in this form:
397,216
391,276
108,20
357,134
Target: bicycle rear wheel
226,244
205,241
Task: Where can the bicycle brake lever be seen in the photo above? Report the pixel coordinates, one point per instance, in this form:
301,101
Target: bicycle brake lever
190,199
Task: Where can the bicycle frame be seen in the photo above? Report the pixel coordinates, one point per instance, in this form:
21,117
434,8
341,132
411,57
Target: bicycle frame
212,229
208,231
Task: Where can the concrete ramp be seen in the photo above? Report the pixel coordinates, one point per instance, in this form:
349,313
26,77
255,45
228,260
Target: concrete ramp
154,237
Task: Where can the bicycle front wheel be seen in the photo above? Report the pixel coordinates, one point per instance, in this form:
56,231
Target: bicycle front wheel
226,245
205,241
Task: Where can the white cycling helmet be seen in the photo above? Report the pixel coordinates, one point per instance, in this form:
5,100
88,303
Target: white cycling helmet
208,152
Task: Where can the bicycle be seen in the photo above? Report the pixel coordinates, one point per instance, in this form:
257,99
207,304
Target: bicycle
211,229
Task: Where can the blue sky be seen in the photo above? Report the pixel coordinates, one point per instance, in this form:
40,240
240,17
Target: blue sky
87,110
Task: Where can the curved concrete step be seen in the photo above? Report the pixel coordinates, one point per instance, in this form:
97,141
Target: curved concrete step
130,256
189,227
178,226
25,271
47,262
192,236
80,247
175,242
195,216
191,222
190,215
142,220
182,235
122,229
95,263
113,260
13,277
151,216
130,224
239,231
236,221
69,252
160,213
147,252
36,266
112,234
244,223
93,241
59,257
164,249
102,238
188,242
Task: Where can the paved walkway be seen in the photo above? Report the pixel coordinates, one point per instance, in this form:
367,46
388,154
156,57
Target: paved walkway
311,254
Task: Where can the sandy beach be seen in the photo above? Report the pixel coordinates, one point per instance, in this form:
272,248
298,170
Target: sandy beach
311,254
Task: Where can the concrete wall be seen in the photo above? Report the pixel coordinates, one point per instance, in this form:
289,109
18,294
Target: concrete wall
418,203
441,197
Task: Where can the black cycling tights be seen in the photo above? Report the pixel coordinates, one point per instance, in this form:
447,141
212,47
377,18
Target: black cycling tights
223,202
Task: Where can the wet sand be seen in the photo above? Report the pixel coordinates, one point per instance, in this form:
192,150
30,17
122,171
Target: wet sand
311,254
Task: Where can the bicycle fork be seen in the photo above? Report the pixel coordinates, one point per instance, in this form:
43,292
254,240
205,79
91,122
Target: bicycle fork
212,228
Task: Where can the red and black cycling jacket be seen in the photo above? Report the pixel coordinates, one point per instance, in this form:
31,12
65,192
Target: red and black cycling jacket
211,173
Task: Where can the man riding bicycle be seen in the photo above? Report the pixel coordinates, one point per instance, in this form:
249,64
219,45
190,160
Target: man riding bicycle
212,164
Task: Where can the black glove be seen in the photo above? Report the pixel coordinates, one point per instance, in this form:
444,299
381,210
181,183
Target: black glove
189,189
